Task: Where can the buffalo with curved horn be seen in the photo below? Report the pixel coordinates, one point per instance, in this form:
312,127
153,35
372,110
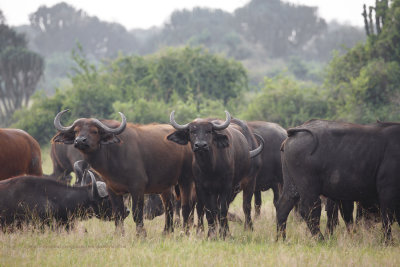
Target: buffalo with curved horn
135,159
42,201
222,165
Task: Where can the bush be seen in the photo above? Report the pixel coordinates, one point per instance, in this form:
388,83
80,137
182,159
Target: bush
287,102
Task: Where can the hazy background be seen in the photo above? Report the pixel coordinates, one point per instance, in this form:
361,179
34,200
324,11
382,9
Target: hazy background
143,14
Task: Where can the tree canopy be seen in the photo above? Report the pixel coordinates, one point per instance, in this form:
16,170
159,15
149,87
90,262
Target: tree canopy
364,83
146,88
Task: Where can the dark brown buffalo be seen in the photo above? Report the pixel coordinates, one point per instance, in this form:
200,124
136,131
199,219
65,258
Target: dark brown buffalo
20,154
63,158
135,159
222,165
342,161
44,201
270,174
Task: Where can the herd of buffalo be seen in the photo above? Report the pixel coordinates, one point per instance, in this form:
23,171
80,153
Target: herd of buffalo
201,166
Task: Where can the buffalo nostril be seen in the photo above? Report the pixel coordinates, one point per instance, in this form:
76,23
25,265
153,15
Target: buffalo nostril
80,141
200,145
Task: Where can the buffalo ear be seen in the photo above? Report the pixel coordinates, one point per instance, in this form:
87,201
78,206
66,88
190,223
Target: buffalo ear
220,140
108,139
180,137
65,138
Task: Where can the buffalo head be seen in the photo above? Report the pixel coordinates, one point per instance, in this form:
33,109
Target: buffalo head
87,134
201,134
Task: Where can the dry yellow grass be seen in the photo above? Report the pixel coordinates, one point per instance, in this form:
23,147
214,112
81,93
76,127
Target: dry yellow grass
101,246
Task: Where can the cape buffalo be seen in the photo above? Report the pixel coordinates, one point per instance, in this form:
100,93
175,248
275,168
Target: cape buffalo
221,165
270,174
20,154
44,201
135,159
63,158
342,161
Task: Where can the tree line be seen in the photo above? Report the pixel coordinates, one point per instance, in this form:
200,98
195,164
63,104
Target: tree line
263,33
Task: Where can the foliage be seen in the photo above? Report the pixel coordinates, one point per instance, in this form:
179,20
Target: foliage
364,83
180,71
374,94
38,119
287,102
192,81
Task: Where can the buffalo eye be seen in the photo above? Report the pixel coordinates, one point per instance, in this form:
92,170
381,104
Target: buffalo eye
94,132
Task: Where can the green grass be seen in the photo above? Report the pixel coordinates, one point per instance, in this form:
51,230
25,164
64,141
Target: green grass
101,246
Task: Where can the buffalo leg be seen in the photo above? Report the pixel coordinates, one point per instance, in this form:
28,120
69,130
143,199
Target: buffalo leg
212,215
276,191
346,210
332,216
186,205
200,216
137,211
169,211
177,212
368,211
118,207
257,204
224,200
310,209
210,204
388,204
286,202
387,220
247,196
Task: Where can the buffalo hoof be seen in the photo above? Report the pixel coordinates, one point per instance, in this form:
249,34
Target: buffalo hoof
257,212
177,222
185,231
320,237
167,232
212,234
141,232
248,226
224,233
119,231
200,230
280,234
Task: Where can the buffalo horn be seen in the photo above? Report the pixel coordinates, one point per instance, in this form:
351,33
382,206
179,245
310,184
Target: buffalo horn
176,125
102,188
115,131
224,125
57,122
258,150
94,191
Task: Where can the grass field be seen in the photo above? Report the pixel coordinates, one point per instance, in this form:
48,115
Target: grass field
94,243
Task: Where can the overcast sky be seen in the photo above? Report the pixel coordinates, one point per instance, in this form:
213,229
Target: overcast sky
147,13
